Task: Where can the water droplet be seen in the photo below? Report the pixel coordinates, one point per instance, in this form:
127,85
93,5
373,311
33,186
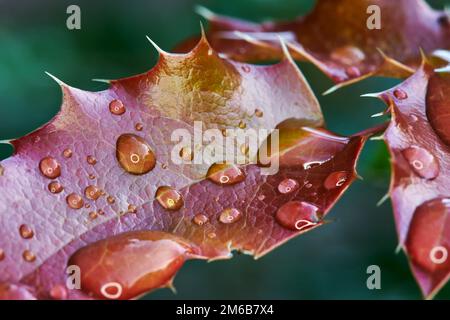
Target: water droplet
58,292
287,186
92,177
134,154
26,232
348,55
67,153
297,215
186,154
28,256
110,199
353,72
245,68
100,212
132,208
230,215
242,124
139,126
335,179
92,192
91,160
169,198
116,107
74,201
422,162
87,205
225,174
261,197
50,168
110,278
55,187
400,94
92,215
259,113
200,219
2,255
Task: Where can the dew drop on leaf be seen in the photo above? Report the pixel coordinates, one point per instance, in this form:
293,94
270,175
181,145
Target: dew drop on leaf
28,256
134,154
92,215
67,153
230,215
242,125
200,219
91,160
132,208
92,192
297,215
422,162
139,126
169,198
110,199
225,174
26,232
55,187
116,107
287,186
74,201
335,180
50,168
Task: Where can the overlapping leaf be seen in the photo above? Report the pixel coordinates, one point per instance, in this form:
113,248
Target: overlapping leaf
97,187
340,37
418,142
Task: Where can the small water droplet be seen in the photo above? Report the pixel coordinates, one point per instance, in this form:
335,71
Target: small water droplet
100,212
242,125
422,162
58,292
297,215
92,215
335,179
74,201
132,208
169,198
28,256
230,215
92,192
67,153
287,186
139,126
55,187
116,107
200,219
26,232
186,154
261,197
400,94
245,68
91,160
110,199
134,154
225,174
259,113
50,168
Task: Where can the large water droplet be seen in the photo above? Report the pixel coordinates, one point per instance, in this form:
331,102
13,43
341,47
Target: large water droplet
287,186
297,215
28,256
200,219
92,192
169,198
225,174
26,232
422,162
230,215
55,187
75,201
116,107
134,154
335,180
152,259
50,168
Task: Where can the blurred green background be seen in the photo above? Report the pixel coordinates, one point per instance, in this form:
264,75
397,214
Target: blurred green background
327,263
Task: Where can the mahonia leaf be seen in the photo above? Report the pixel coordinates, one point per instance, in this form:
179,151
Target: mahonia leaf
418,140
335,37
96,190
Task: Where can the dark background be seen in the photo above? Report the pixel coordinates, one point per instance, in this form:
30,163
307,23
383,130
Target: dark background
328,263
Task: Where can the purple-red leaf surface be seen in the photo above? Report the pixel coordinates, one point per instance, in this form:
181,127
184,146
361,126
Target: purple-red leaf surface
96,191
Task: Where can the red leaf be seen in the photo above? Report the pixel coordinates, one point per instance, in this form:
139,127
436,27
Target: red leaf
97,187
336,38
418,142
